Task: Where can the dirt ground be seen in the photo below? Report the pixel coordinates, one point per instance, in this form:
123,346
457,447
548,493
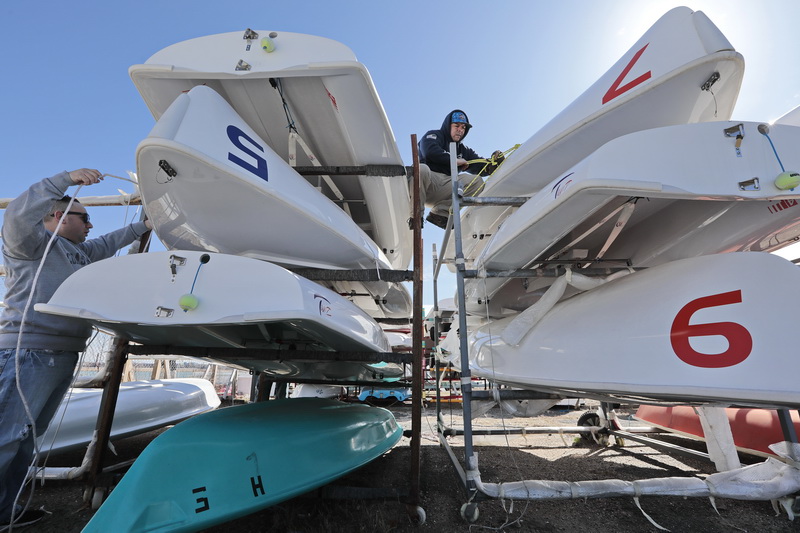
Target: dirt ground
533,456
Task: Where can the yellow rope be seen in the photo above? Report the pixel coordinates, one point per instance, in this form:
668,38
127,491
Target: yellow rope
469,189
491,161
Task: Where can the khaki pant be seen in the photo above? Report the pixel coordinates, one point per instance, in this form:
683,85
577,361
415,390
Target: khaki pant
436,189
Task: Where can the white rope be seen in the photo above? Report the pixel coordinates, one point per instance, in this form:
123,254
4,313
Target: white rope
18,383
637,494
561,434
787,503
25,404
497,398
118,177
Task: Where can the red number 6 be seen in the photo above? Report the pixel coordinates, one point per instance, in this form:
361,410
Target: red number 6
740,343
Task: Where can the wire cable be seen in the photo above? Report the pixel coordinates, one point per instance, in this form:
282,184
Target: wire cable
766,134
24,400
25,404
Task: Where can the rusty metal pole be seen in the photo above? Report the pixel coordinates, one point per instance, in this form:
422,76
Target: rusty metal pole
416,347
108,404
105,417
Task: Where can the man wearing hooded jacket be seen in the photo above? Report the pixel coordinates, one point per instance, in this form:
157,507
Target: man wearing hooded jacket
49,344
434,168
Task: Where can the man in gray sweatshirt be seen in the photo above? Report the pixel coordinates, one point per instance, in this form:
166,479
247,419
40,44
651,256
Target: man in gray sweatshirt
40,373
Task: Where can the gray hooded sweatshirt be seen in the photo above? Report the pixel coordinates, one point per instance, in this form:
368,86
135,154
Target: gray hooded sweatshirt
24,242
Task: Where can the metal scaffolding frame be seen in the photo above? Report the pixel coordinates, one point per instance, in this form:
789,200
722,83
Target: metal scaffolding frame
467,472
93,477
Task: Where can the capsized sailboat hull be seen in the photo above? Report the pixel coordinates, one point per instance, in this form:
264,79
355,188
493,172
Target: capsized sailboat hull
713,328
753,430
645,199
236,302
235,461
658,82
210,183
664,79
225,190
305,85
142,406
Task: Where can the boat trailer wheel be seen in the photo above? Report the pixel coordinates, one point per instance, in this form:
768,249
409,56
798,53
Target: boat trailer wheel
470,512
416,514
589,419
98,496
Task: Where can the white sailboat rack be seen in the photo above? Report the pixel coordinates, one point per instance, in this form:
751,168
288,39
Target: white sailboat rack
763,481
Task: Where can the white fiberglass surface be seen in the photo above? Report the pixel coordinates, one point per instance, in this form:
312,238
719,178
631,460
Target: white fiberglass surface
629,334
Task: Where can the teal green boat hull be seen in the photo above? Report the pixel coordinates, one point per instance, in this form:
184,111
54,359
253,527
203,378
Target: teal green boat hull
232,462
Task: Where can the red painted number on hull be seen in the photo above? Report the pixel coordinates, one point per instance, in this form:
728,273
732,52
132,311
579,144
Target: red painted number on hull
740,343
615,89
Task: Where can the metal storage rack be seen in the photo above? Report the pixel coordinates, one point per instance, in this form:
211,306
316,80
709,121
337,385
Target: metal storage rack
94,475
605,418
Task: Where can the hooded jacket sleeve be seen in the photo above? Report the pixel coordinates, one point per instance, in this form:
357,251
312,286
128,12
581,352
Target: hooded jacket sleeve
469,154
24,234
107,245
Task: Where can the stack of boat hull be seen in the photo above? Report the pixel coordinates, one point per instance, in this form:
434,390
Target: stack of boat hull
307,85
218,180
645,199
660,199
682,70
209,182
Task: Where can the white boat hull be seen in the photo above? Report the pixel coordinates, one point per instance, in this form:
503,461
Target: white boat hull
708,329
658,82
332,105
142,406
240,303
232,194
228,192
677,207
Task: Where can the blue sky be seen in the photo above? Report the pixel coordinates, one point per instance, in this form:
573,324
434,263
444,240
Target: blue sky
512,65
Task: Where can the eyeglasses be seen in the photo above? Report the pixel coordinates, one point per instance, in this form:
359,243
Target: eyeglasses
84,216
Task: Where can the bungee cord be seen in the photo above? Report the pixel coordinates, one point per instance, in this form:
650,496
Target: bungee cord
476,185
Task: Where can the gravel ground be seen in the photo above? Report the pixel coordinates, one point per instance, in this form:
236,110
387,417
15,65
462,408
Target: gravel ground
532,456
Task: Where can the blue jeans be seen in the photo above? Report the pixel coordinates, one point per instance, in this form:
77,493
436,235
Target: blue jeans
45,376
